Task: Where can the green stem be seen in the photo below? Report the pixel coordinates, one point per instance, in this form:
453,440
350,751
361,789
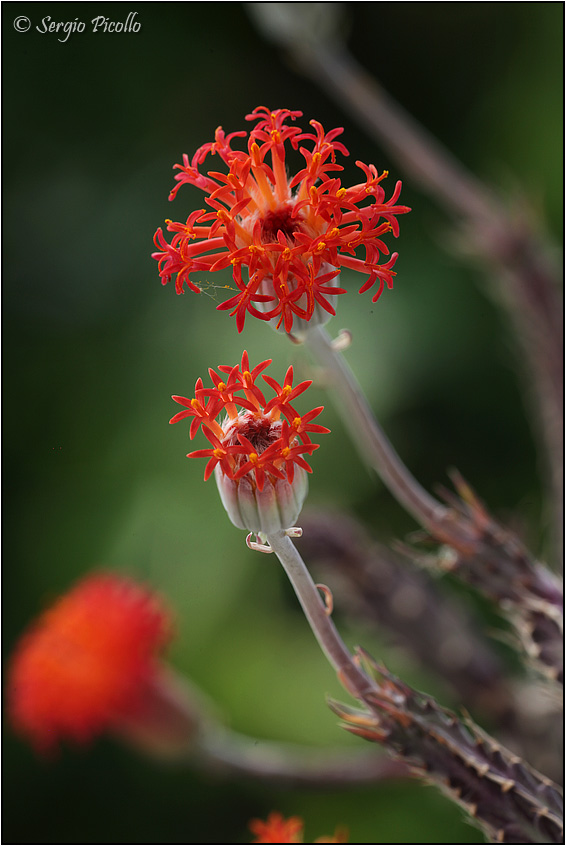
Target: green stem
356,681
369,438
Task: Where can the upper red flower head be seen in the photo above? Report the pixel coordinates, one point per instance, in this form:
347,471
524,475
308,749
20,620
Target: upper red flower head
84,663
293,235
261,438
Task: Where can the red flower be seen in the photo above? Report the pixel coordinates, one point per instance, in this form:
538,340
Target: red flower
87,661
257,453
293,236
253,441
276,829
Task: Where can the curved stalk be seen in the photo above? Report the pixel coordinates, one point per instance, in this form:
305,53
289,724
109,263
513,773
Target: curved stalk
370,439
226,753
355,680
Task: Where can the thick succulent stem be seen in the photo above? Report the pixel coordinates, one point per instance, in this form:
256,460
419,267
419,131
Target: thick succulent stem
510,801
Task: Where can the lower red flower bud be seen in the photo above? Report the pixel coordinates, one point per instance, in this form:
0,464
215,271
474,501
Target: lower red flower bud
277,506
257,453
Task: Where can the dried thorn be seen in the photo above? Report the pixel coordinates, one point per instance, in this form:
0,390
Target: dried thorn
258,547
469,496
328,598
342,340
451,498
471,808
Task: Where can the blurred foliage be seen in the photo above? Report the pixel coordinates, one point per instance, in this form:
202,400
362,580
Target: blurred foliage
94,347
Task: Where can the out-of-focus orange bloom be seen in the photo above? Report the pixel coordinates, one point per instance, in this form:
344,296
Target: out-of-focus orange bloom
277,829
87,662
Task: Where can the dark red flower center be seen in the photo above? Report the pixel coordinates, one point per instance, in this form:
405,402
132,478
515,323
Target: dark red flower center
261,432
279,221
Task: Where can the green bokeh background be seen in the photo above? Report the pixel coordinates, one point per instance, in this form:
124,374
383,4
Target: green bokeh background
94,347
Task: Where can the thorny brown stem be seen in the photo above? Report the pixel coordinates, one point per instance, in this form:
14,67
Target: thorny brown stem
379,586
385,589
512,802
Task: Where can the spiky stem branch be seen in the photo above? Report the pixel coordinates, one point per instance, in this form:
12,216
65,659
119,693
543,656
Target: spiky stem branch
511,801
508,799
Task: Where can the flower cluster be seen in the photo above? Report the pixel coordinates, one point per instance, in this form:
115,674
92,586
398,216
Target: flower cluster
257,452
292,235
277,829
86,663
